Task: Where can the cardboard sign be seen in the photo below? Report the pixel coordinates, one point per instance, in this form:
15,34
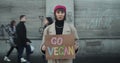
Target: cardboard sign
60,46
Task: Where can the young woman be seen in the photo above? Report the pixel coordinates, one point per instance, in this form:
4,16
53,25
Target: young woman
60,27
48,21
12,37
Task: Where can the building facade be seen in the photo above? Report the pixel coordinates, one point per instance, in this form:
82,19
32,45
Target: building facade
97,21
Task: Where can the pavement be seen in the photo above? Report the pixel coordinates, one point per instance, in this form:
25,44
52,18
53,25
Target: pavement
36,57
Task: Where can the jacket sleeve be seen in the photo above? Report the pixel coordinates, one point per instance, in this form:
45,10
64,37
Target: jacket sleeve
10,29
73,29
43,39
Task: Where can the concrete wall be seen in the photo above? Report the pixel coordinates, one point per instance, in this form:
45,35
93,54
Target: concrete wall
97,18
12,9
97,22
93,18
99,47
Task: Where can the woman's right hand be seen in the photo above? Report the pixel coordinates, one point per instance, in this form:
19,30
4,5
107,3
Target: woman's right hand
43,47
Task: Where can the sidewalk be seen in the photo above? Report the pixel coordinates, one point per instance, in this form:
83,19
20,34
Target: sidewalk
37,58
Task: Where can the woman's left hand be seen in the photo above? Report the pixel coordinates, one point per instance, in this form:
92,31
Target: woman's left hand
76,45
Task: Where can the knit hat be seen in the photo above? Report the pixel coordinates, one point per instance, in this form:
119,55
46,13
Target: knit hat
59,7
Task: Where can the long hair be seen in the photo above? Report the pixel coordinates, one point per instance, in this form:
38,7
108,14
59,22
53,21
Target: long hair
50,20
12,23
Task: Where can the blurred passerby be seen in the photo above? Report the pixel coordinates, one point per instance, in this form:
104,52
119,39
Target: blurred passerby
22,40
12,39
47,21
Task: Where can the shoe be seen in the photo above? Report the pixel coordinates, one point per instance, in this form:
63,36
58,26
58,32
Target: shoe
6,59
23,60
28,62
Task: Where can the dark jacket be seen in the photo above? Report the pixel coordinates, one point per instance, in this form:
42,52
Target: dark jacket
21,33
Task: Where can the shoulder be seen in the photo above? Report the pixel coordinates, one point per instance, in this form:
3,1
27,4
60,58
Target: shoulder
18,25
52,24
49,26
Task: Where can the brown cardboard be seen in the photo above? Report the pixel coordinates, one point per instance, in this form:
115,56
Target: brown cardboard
64,50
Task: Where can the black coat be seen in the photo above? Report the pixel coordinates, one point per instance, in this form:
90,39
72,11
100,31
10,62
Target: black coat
21,33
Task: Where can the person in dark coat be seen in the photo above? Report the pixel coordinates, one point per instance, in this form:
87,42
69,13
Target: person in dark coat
22,40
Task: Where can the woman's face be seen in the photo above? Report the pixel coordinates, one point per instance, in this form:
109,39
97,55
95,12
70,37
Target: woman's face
45,22
60,15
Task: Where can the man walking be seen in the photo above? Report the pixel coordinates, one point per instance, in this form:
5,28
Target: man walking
22,41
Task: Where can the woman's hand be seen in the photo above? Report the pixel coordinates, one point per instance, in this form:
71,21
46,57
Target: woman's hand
28,43
43,47
76,45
